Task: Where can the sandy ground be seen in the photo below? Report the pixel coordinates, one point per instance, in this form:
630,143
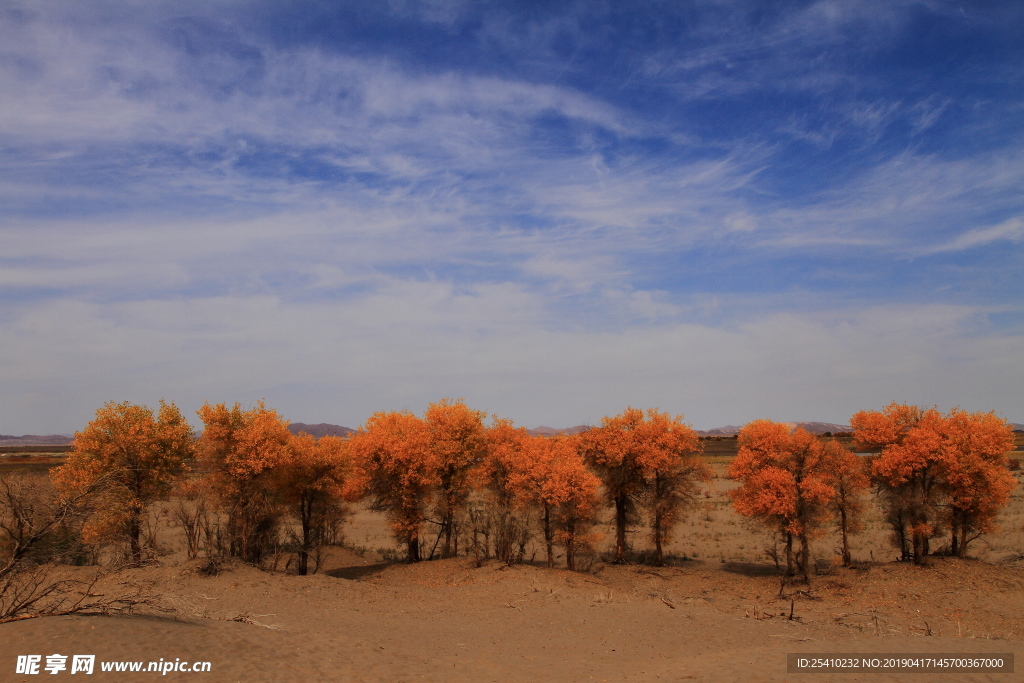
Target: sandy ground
715,616
450,621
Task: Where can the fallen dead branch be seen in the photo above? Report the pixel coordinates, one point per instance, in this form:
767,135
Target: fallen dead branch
34,526
35,592
246,618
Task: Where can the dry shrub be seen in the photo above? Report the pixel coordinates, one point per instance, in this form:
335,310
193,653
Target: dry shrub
512,533
478,527
39,531
488,525
191,516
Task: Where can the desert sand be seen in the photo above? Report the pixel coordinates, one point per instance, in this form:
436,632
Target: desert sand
718,616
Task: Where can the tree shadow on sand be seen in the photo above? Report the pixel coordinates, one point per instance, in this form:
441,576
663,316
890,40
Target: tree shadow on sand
750,569
354,573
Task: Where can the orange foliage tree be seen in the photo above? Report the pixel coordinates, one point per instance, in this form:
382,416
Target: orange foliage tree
785,484
977,479
906,477
138,456
509,512
458,443
395,466
570,490
847,474
669,455
310,481
238,452
935,470
652,459
547,475
505,446
529,476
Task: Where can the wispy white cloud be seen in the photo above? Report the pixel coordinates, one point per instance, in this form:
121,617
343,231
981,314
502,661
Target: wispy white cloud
197,209
441,140
1010,230
905,202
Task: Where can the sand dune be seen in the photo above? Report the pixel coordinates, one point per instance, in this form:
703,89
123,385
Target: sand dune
718,617
450,621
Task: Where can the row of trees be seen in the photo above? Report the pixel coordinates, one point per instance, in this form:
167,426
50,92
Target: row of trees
446,474
933,474
448,469
448,478
247,462
937,473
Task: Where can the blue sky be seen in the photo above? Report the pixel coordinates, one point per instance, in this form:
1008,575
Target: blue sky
730,210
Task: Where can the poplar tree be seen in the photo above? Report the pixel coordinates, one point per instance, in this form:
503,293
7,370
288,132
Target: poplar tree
310,482
238,453
650,460
135,457
395,467
785,483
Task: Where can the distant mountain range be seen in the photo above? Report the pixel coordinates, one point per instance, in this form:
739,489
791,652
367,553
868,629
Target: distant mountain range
325,429
812,427
551,431
318,430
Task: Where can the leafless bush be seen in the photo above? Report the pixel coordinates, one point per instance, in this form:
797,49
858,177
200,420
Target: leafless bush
36,527
773,553
586,558
159,518
215,545
319,526
193,518
512,533
35,591
479,531
38,532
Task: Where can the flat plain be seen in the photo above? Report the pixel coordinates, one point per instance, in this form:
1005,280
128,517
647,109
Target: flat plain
717,612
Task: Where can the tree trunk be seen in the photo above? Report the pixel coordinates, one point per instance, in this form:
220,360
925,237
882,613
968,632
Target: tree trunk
414,548
476,547
805,558
921,546
306,511
659,559
954,541
898,523
548,536
789,554
843,523
446,551
135,537
570,546
620,530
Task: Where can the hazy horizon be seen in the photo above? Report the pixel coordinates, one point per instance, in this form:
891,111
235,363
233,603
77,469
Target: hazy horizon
198,425
721,209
